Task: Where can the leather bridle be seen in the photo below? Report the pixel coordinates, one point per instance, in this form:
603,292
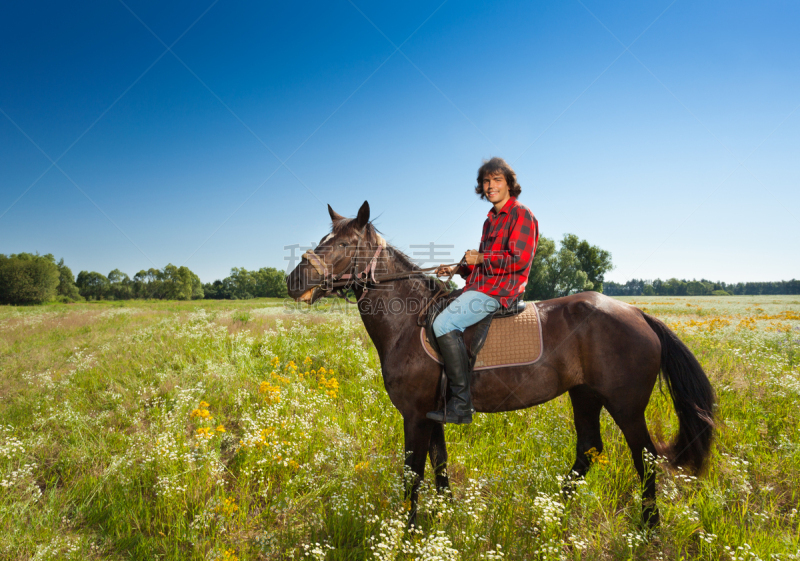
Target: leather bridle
338,283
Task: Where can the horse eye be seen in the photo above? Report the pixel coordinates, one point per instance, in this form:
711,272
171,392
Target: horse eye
342,244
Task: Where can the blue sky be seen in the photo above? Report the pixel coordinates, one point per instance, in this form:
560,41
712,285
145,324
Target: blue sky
679,155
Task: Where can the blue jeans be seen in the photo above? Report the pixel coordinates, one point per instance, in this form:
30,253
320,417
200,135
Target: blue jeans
468,309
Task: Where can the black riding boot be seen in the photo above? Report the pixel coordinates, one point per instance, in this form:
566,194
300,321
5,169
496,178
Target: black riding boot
456,366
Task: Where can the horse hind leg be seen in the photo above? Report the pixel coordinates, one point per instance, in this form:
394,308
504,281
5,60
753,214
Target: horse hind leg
638,438
586,408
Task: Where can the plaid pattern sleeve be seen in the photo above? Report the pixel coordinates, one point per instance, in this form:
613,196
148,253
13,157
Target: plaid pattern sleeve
508,245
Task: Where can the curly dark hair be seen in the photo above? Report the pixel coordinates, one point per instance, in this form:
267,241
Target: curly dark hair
492,167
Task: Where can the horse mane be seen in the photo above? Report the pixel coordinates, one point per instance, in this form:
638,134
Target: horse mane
405,261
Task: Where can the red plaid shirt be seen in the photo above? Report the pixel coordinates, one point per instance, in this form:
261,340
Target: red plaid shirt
508,244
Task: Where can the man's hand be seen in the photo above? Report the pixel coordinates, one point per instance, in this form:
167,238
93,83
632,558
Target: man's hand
472,257
444,271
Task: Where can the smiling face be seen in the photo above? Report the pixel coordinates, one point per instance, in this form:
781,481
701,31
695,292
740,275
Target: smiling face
496,190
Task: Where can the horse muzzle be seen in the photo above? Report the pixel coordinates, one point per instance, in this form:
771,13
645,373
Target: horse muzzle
311,295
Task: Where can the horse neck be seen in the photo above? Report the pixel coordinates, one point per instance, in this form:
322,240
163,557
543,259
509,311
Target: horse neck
389,309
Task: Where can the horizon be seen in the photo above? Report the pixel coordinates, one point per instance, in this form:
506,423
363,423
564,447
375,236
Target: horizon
456,279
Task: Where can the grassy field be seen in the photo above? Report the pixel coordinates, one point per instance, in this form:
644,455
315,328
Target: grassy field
240,430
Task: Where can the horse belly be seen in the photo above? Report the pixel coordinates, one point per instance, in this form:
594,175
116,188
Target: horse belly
516,387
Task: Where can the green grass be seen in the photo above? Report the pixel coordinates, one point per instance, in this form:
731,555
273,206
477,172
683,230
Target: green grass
181,430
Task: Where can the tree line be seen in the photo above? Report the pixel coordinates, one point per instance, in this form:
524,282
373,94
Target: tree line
559,268
169,283
702,287
242,284
33,279
26,278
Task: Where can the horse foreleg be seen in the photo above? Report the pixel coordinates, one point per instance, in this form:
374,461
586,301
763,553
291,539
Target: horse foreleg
586,407
417,440
438,453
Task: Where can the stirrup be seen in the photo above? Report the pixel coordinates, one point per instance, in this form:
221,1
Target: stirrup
450,417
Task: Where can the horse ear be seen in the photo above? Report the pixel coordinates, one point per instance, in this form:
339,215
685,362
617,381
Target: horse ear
363,215
335,216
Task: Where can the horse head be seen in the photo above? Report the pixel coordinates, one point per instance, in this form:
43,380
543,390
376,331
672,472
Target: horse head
338,255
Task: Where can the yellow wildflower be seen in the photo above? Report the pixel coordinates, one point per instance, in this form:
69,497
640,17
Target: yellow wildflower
331,385
272,394
228,506
747,323
596,457
227,555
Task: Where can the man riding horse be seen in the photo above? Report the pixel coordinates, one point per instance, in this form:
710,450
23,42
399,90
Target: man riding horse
495,275
605,353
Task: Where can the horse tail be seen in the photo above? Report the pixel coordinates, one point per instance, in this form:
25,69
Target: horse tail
692,397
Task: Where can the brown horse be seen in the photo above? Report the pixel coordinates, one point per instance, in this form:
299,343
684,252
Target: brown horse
605,353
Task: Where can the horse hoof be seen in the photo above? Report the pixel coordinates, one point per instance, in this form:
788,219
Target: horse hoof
570,485
444,489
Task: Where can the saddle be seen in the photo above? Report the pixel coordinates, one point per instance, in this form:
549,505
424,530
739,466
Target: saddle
515,339
517,324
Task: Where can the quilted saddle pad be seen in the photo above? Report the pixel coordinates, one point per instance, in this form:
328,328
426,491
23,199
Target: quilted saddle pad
513,341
